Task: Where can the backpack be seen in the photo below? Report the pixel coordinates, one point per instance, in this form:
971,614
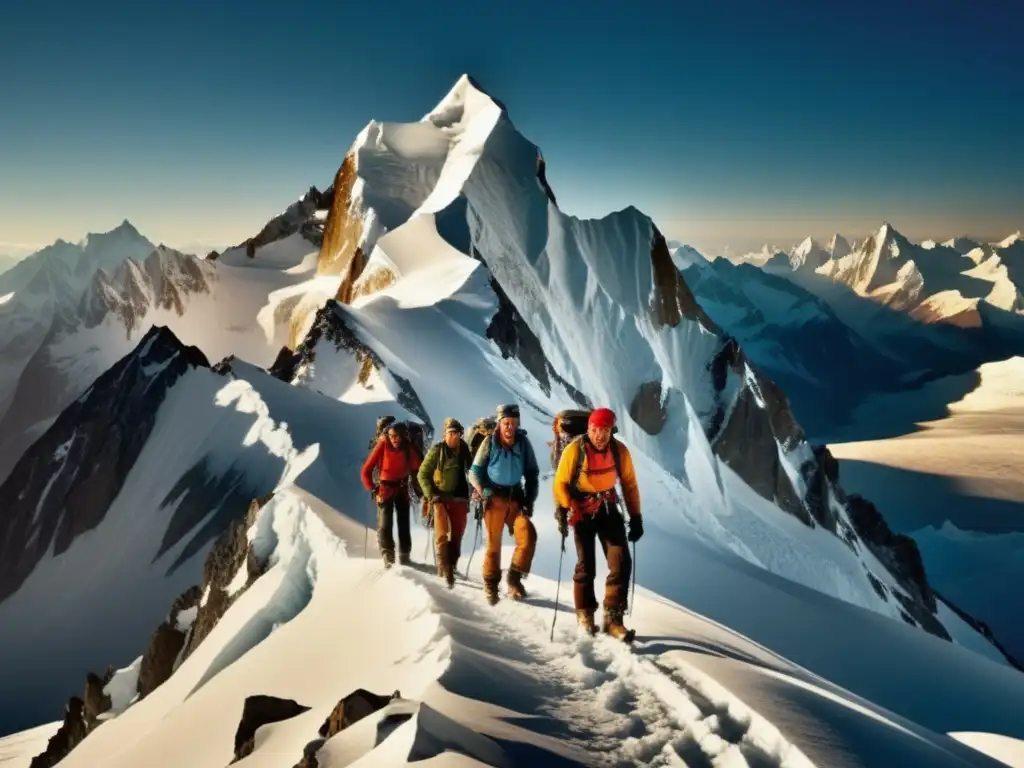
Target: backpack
567,426
482,429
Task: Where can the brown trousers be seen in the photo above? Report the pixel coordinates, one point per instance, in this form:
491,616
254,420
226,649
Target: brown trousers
449,526
498,513
608,528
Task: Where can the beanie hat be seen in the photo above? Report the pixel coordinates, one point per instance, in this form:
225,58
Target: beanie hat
601,417
451,424
508,412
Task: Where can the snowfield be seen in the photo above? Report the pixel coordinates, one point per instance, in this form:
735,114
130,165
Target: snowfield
954,485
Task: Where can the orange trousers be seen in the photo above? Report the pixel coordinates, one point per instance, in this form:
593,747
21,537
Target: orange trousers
500,513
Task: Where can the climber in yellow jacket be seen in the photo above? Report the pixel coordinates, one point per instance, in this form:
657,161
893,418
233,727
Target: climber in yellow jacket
586,498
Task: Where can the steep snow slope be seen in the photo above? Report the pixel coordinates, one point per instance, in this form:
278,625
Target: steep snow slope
822,364
483,686
955,486
107,516
17,750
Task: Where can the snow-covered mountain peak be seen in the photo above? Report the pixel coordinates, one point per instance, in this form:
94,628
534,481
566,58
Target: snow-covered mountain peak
63,485
805,247
838,246
962,245
1011,240
160,281
123,231
464,102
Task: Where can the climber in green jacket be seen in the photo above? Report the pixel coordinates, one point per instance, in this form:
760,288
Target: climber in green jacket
442,477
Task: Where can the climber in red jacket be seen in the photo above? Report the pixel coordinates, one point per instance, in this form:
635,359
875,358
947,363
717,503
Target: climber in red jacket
394,460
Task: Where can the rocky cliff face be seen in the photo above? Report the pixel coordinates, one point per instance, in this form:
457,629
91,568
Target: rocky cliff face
342,248
193,615
66,481
299,217
331,326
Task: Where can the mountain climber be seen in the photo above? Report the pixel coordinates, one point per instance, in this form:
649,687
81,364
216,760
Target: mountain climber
501,463
442,477
586,499
396,460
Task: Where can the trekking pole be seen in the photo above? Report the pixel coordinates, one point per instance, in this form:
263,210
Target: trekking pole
558,589
476,538
633,598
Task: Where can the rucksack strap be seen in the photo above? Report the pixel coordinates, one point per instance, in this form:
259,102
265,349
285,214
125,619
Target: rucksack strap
574,482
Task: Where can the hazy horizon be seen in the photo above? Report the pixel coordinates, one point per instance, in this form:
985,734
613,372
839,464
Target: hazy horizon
737,248
200,123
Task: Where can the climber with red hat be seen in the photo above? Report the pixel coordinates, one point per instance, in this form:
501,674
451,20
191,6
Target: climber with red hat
586,499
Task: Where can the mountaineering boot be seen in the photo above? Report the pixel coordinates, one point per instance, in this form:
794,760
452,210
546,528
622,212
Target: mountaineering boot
613,625
491,590
516,591
585,621
389,558
454,571
403,558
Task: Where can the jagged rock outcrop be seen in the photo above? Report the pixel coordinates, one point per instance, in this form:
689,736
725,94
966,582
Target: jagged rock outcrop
71,733
353,708
514,338
341,250
64,484
163,280
81,716
193,615
981,628
899,553
648,408
297,217
229,555
165,645
331,326
542,177
258,711
95,700
350,710
673,300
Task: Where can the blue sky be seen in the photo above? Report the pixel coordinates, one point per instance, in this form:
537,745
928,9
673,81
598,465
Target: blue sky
729,125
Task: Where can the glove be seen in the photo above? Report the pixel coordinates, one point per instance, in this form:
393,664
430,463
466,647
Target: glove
375,492
479,513
527,510
636,528
562,518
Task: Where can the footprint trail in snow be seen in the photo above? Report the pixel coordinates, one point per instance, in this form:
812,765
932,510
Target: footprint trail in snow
622,707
